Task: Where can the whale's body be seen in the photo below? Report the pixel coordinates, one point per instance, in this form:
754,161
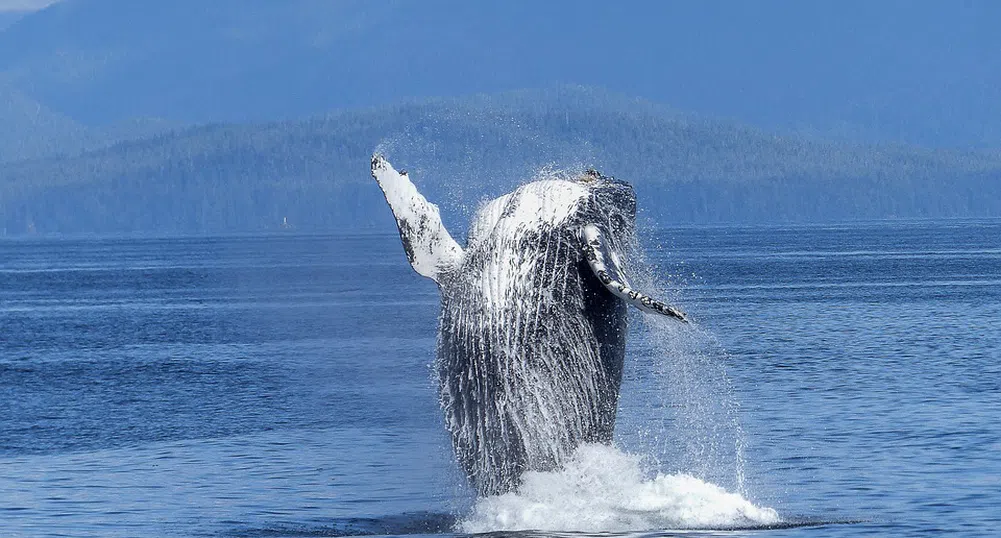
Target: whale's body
533,318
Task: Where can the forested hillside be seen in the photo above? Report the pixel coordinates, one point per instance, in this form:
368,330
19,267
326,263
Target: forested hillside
314,172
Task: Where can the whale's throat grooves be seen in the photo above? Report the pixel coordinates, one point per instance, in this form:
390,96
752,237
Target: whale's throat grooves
517,360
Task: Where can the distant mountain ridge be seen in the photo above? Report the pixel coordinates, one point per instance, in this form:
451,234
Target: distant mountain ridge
225,177
33,131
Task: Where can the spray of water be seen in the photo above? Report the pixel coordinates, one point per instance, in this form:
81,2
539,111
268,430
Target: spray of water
679,404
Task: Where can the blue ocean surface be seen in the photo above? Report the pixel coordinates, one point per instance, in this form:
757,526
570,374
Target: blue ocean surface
847,377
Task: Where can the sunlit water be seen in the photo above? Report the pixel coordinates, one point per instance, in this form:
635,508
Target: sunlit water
843,378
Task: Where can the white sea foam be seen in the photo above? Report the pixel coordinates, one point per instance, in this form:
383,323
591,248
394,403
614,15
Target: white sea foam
602,489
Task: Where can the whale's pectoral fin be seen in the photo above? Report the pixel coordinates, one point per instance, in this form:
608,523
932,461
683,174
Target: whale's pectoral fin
430,248
608,268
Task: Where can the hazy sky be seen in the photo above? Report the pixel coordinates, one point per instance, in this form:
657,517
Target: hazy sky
24,5
926,72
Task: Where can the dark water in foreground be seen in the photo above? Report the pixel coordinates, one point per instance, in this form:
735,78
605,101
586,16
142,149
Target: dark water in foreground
279,386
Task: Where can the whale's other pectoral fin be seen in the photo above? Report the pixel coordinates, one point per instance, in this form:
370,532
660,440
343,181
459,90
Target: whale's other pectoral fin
608,268
430,248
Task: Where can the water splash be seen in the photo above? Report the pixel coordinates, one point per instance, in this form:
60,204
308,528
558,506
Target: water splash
679,406
602,489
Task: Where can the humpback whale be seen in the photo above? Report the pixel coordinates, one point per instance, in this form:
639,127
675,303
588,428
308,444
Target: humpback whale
532,329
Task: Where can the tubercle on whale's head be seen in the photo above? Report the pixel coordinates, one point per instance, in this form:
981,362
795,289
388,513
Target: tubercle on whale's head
612,202
609,190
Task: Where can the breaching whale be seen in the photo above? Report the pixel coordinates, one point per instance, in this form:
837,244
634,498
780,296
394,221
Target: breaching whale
532,329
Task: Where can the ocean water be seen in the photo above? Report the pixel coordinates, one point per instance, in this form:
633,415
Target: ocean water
837,381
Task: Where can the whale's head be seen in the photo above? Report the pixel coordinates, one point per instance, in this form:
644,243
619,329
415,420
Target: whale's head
610,203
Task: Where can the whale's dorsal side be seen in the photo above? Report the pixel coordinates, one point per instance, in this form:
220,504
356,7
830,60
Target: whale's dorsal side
430,248
608,268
